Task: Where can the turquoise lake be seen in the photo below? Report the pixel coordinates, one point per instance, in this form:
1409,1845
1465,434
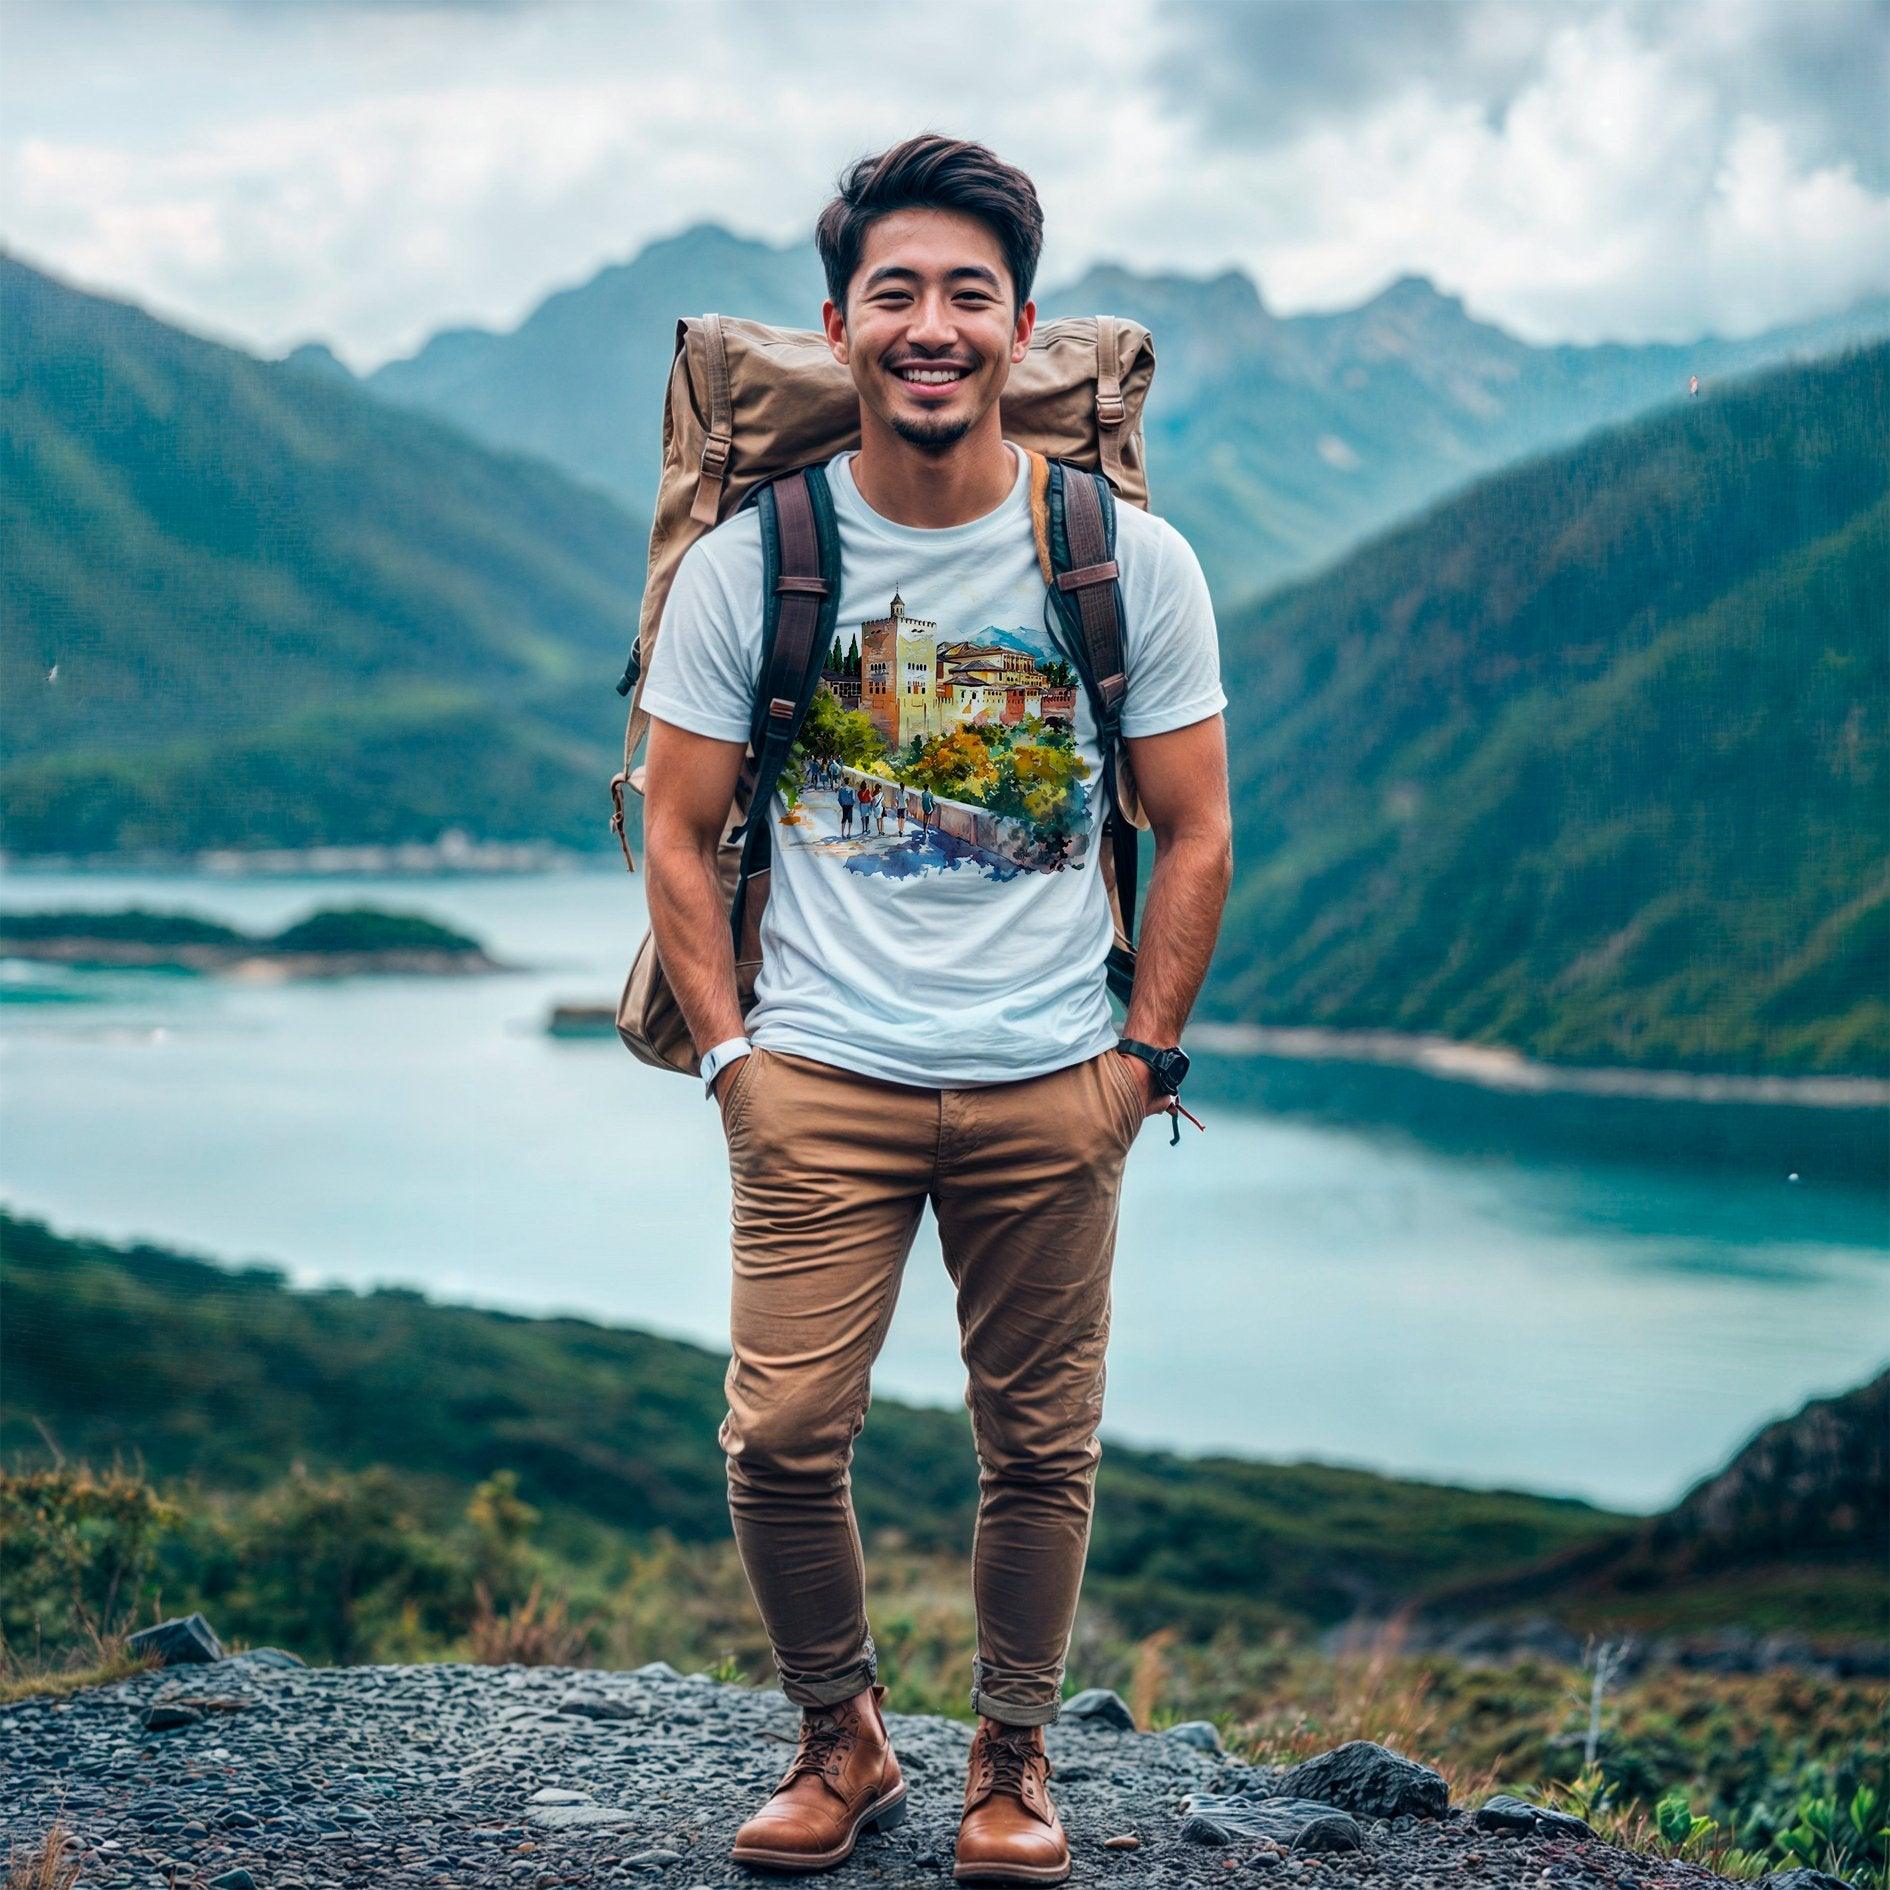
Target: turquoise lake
1354,1264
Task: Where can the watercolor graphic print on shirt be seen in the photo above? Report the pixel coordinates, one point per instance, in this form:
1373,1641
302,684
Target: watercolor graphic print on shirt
932,750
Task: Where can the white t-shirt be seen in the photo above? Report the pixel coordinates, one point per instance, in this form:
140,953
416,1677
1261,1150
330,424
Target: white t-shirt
964,943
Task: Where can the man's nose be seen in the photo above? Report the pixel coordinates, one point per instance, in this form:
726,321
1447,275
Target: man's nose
933,324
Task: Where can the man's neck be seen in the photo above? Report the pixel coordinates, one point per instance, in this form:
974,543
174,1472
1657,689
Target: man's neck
909,486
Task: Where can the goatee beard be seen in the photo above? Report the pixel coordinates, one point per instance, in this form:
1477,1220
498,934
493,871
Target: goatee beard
931,436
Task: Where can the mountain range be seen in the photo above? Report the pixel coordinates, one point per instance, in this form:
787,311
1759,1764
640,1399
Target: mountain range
1590,759
1274,441
246,604
1587,759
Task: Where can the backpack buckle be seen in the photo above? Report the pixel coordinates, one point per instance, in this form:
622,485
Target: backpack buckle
782,707
1110,410
715,452
801,586
1085,575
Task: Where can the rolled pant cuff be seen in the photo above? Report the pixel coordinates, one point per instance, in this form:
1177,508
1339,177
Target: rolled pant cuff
1015,1712
823,1690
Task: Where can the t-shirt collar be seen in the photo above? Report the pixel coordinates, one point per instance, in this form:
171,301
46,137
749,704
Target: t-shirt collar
849,501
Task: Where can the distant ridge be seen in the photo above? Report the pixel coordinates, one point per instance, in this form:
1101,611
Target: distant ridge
1275,442
1590,761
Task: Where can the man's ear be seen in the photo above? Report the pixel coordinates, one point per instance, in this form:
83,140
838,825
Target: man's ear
835,325
1020,337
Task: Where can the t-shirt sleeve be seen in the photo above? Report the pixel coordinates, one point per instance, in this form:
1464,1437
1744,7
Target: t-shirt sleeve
704,670
1173,649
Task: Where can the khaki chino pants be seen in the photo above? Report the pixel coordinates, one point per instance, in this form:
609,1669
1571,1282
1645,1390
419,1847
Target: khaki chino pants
831,1171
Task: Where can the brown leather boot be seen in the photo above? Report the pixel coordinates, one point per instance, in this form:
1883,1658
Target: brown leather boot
844,1779
1010,1832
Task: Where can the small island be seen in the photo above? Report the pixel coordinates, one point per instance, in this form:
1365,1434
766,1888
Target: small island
335,942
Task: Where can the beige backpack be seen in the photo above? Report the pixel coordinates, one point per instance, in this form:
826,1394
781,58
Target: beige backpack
753,415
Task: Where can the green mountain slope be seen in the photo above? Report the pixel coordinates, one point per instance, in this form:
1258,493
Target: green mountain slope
228,1377
1590,761
1274,441
1801,1513
247,603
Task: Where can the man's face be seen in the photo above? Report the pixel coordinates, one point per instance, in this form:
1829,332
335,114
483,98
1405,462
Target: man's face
928,333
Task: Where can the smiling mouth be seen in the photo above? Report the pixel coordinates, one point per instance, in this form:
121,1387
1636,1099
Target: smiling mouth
931,376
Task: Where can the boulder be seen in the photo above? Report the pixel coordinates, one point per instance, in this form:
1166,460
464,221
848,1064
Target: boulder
1803,1880
181,1643
1368,1780
1098,1706
1201,1733
1519,1816
1295,1824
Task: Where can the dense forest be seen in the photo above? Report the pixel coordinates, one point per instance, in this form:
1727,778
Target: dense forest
247,605
1590,760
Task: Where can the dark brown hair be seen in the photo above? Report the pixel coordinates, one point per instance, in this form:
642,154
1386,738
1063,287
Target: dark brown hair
932,172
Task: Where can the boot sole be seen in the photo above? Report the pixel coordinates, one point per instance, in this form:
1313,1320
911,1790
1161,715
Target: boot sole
1012,1873
881,1815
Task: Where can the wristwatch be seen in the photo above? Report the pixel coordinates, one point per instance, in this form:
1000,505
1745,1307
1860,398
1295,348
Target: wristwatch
715,1061
1170,1065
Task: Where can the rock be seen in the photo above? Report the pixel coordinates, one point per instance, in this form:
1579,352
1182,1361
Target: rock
167,1716
1128,1841
553,1795
1198,1732
1368,1779
656,1670
571,1817
656,1859
272,1657
1803,1880
1504,1813
596,1706
1100,1707
181,1643
1299,1824
237,1879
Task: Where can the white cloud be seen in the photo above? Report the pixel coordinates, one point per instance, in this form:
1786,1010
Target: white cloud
370,174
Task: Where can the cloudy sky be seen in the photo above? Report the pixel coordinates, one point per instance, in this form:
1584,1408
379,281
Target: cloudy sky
368,171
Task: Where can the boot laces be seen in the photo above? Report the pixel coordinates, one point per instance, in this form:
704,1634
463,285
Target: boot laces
1009,1755
825,1740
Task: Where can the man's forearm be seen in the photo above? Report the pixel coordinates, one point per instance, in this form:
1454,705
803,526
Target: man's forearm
1186,893
690,924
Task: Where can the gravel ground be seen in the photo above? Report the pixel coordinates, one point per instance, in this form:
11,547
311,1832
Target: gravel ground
298,1778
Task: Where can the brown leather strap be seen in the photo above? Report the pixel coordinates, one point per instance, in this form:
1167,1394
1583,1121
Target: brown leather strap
1092,581
706,507
1112,412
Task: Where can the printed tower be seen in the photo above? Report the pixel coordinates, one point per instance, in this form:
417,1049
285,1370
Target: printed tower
898,671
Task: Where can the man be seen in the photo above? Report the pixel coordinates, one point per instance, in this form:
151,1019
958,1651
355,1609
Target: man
987,1058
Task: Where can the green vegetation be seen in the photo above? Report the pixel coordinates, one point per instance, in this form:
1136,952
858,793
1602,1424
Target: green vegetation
1591,760
368,929
333,929
251,606
134,926
374,1477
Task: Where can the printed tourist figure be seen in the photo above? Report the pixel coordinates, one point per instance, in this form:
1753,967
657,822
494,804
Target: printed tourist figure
899,808
846,808
926,806
929,252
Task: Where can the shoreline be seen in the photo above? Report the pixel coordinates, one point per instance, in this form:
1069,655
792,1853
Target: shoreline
1491,1066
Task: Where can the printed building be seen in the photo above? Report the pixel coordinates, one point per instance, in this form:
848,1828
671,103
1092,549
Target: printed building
912,684
898,665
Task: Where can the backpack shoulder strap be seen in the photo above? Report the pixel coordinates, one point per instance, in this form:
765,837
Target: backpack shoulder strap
1076,547
800,561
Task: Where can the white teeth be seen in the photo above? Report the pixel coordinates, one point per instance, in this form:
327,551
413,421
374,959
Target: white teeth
931,377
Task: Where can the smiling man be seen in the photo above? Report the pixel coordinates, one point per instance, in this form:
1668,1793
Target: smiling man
931,1018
